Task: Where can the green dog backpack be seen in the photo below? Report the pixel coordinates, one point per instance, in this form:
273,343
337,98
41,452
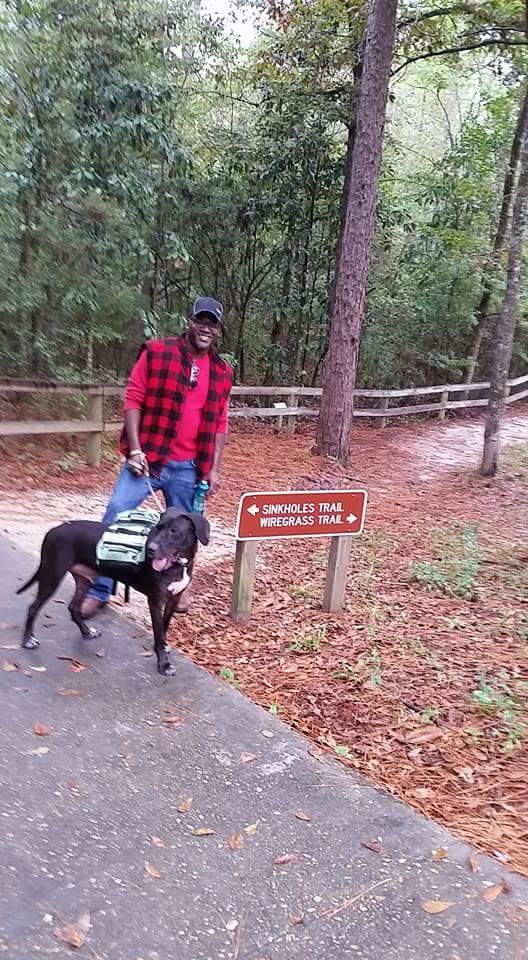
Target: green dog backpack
125,540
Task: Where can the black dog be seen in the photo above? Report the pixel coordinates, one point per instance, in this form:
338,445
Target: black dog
166,571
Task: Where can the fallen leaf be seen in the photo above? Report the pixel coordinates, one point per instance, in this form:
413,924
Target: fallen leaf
465,773
8,666
523,907
39,751
252,828
101,652
157,841
440,854
423,735
175,721
474,864
373,845
39,669
203,832
68,693
491,893
41,729
185,805
422,793
235,841
303,816
248,757
295,918
153,871
147,653
75,935
231,925
267,733
317,754
9,646
500,855
437,906
76,665
287,858
151,723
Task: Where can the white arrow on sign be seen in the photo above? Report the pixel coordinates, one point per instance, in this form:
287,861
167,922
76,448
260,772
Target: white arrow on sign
254,510
351,518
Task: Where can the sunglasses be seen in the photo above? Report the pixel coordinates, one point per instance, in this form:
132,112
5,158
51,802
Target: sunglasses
206,321
193,376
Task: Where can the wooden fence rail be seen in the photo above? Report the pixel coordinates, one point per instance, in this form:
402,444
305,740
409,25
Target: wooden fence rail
95,425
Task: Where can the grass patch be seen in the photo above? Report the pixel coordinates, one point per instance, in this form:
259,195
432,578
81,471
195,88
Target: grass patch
502,697
514,459
307,640
367,669
455,570
229,676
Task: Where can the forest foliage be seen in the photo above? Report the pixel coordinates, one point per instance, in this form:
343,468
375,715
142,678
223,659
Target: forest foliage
147,157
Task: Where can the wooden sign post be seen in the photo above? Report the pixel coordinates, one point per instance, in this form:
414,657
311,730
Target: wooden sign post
339,514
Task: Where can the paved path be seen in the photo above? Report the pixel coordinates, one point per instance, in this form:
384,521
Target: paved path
77,822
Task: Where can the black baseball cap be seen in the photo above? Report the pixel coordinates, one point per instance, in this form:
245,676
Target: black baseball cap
208,305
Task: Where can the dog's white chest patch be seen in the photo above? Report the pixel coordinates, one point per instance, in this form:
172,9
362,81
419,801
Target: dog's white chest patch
178,586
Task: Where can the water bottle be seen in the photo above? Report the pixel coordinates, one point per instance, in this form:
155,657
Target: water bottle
199,496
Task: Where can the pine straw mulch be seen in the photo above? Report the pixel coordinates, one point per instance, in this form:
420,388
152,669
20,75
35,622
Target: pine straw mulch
388,687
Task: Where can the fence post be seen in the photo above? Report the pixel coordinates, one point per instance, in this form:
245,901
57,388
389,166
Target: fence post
293,401
244,579
94,440
336,574
443,404
280,420
382,421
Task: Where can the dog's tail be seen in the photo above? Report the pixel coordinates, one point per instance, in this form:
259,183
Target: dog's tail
29,583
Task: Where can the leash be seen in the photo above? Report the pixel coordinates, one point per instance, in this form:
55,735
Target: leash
153,493
146,474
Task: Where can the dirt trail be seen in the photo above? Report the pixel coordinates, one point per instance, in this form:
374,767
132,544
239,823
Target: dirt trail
458,443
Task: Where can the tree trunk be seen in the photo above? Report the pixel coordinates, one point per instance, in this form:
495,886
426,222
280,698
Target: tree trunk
90,353
304,275
502,342
279,330
337,403
482,312
354,98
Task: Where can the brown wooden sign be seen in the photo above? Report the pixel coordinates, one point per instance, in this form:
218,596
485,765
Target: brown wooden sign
306,513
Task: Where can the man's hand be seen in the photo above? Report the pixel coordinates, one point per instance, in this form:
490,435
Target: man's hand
137,463
213,480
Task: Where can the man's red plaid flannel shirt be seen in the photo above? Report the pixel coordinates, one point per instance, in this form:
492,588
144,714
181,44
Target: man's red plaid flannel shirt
169,371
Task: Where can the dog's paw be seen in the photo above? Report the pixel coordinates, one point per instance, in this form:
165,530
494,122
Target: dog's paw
30,643
93,633
166,648
167,669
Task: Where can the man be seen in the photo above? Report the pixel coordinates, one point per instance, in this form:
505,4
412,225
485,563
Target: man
176,407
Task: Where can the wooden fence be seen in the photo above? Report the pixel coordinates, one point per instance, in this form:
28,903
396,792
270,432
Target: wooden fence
290,408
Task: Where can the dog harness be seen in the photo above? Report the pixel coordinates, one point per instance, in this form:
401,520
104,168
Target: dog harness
125,540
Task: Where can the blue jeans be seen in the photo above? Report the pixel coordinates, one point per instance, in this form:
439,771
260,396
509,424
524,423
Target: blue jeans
176,481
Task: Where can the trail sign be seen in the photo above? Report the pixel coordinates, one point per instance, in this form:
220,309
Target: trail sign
307,513
281,515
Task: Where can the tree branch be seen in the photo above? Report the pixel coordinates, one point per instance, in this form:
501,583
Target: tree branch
470,46
440,12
